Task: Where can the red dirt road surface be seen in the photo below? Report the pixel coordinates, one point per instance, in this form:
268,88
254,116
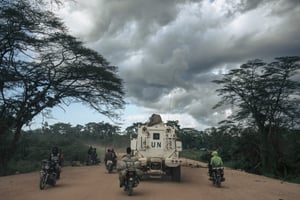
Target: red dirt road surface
94,183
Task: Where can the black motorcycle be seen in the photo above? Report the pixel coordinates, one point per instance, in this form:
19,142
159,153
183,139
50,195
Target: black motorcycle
92,160
48,174
131,180
217,176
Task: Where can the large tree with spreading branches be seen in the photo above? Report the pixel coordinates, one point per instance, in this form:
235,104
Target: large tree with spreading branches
42,66
268,96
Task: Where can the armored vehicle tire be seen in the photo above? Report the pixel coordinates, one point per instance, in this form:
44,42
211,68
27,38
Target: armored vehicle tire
176,174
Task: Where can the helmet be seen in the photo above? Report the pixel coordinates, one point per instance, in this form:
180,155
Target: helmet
128,150
54,150
214,153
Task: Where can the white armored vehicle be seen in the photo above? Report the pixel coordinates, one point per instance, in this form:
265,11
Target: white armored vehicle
157,148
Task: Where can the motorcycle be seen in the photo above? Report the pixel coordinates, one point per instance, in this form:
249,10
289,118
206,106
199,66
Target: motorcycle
109,165
131,180
48,174
92,160
217,176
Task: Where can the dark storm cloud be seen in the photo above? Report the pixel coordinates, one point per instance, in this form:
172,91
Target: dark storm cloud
114,15
169,51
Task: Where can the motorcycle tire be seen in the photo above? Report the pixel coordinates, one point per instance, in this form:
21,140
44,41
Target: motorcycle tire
130,189
53,181
218,181
43,181
110,168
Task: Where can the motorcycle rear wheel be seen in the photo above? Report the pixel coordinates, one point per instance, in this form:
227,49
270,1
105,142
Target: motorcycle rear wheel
130,189
110,168
218,181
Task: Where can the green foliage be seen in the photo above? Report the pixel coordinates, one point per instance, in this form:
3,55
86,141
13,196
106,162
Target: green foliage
199,155
191,138
239,148
36,145
289,153
22,166
191,154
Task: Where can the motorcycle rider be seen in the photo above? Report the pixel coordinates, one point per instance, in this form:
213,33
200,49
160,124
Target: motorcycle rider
122,168
55,156
209,165
114,157
89,155
94,155
90,150
215,161
108,156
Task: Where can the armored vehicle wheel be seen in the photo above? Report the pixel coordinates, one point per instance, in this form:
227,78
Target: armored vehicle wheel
176,174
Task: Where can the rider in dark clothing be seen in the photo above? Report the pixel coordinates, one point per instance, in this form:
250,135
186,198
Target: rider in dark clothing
55,156
94,155
114,157
122,168
108,156
90,150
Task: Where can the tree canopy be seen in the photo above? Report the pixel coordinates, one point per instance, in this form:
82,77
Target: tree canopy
42,66
266,95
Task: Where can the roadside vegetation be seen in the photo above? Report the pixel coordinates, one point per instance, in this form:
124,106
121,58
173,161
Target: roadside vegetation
239,148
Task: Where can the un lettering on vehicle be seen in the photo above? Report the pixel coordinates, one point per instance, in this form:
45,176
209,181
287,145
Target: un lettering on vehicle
156,144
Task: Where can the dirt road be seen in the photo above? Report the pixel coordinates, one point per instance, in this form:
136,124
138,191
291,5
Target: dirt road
93,182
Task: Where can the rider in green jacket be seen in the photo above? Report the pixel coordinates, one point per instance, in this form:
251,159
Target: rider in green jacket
216,161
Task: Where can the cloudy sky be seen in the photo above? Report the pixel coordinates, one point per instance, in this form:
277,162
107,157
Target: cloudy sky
169,51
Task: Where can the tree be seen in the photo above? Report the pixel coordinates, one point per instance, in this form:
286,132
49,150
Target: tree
132,130
101,129
42,66
190,137
267,95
